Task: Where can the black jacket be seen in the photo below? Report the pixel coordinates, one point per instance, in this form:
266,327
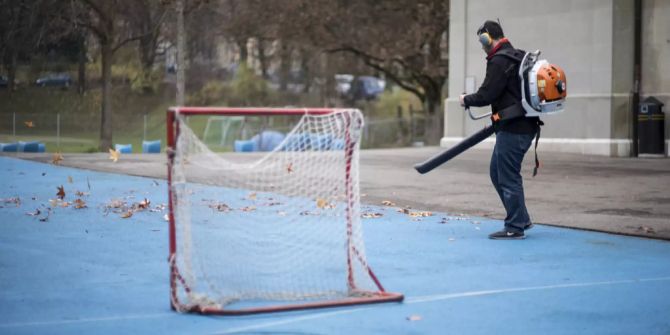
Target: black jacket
502,88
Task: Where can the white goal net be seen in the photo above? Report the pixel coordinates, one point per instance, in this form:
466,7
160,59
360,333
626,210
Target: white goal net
281,226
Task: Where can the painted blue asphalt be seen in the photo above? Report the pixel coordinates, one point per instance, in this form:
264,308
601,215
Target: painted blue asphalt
90,271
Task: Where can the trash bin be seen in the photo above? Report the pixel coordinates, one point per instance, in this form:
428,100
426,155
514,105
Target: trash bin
651,127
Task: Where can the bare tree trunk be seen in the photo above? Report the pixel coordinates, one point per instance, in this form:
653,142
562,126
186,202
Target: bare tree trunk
262,58
81,60
244,51
434,119
11,70
284,66
106,118
181,50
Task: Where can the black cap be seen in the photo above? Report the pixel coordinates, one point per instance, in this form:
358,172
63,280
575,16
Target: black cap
493,28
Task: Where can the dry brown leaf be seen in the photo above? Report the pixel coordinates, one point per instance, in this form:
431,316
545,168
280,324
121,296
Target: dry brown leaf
81,194
61,192
64,204
79,204
414,318
221,207
248,209
114,155
54,202
403,210
144,204
289,168
127,214
321,203
371,215
388,203
29,124
252,196
420,214
56,158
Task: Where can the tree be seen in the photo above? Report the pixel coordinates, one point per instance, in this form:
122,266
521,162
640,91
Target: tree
108,21
405,40
24,26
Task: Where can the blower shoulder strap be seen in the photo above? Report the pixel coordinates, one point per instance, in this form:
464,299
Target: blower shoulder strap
511,53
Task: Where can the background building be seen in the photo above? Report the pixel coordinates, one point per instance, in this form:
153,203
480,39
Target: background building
594,43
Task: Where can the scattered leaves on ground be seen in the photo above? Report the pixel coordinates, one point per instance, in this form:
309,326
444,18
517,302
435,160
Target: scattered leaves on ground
388,203
114,155
420,214
79,204
324,204
248,209
127,214
55,159
81,194
221,207
371,215
646,229
12,201
61,192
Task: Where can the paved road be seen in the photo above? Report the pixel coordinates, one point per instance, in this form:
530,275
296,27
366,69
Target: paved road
618,195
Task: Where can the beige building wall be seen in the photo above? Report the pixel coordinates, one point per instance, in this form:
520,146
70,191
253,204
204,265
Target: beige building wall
592,40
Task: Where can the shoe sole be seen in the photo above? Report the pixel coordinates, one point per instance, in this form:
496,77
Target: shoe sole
508,238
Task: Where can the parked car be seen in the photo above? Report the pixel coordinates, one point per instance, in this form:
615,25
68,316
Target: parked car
54,79
366,88
343,83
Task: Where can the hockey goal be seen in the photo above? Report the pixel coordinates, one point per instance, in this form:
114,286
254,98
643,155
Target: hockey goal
272,231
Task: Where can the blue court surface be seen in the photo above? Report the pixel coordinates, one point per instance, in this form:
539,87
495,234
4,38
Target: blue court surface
90,271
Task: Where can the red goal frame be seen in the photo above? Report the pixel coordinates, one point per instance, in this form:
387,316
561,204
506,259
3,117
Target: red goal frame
380,296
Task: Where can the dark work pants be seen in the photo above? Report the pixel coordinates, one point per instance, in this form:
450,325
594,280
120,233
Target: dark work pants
506,176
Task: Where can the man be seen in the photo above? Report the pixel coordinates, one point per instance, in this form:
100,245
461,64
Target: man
514,132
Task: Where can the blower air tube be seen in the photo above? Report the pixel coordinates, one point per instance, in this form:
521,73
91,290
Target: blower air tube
459,148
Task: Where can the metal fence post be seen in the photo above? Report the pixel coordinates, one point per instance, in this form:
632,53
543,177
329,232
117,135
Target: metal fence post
58,130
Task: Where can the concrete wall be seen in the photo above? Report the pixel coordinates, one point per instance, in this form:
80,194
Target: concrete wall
591,39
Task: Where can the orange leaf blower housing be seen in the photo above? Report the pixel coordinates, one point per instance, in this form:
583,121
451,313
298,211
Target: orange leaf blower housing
551,83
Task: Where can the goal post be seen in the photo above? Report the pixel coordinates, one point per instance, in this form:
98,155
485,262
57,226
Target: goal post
269,232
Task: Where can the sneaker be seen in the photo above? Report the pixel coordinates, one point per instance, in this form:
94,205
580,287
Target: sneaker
529,226
507,235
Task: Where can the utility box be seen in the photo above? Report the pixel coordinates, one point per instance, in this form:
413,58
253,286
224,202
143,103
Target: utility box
651,127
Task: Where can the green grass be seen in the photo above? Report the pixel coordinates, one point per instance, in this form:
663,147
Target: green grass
80,117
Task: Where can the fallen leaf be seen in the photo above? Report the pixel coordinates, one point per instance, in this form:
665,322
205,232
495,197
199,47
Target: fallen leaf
646,229
54,202
114,155
29,124
289,168
69,179
79,204
403,210
127,214
388,203
35,213
321,203
420,214
414,318
55,159
16,201
221,207
371,215
81,194
248,209
61,192
64,204
144,204
252,196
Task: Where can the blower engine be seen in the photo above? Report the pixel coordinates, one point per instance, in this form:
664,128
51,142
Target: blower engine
543,86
